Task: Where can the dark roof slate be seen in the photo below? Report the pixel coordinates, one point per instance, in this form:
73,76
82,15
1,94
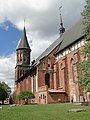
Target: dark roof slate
49,49
23,43
69,37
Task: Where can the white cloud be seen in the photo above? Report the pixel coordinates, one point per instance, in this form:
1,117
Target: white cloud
42,24
7,66
38,45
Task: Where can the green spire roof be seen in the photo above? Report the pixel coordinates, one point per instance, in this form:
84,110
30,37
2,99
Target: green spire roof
23,43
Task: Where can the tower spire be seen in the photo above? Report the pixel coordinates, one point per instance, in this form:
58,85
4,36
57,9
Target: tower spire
23,56
61,29
23,43
24,28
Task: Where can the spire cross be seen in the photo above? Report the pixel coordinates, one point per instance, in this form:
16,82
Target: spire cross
60,8
61,29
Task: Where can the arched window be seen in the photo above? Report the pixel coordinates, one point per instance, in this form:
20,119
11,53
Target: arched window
62,75
47,79
73,69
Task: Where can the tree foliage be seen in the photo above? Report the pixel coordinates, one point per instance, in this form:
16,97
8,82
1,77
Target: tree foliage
84,75
4,86
3,94
4,91
25,95
86,19
84,71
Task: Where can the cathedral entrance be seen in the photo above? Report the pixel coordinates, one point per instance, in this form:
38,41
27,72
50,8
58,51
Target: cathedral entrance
47,79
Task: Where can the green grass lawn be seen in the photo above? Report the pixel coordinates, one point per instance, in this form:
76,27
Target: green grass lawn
44,112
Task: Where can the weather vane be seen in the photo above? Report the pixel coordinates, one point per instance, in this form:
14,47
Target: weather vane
61,29
60,8
60,13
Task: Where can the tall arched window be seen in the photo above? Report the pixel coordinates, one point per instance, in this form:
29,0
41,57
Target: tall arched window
47,79
62,75
73,69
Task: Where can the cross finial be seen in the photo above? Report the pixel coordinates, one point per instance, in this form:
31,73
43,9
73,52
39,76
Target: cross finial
60,14
60,8
61,29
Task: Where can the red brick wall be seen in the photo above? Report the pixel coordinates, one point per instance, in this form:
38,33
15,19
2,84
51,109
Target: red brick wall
61,77
68,80
42,70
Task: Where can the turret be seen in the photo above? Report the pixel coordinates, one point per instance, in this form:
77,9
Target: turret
23,56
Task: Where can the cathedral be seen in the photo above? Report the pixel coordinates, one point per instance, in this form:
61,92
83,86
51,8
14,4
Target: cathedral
53,76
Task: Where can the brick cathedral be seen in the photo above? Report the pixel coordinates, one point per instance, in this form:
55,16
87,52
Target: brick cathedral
53,76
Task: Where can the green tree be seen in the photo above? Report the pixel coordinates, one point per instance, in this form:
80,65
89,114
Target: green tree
25,95
4,91
3,95
4,86
86,19
84,67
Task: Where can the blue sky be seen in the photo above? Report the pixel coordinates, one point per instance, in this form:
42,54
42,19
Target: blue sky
9,37
42,26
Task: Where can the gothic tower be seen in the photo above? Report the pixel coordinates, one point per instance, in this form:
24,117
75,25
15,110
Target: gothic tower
23,56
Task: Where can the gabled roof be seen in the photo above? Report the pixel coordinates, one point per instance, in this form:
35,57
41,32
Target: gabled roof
23,43
68,38
49,49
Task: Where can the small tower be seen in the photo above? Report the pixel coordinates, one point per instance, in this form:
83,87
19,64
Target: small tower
61,29
23,56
